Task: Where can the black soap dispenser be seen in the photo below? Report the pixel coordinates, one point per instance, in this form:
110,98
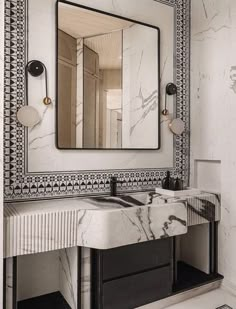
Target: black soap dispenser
166,181
178,184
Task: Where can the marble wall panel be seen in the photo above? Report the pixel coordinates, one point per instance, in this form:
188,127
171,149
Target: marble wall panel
213,111
68,275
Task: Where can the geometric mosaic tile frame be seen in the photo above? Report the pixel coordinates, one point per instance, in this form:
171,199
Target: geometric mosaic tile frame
22,185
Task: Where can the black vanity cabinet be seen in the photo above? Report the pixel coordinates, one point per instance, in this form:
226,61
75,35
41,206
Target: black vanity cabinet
132,276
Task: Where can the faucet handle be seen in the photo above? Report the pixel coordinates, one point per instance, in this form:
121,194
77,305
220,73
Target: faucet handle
115,180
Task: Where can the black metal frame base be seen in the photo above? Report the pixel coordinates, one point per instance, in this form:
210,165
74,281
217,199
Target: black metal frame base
184,276
48,301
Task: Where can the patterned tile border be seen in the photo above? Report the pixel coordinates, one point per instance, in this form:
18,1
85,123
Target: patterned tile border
21,185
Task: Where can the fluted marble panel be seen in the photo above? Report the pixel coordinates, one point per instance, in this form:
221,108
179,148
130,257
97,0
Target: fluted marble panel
202,208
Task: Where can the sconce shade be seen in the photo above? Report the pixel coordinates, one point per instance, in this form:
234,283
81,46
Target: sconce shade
28,116
177,126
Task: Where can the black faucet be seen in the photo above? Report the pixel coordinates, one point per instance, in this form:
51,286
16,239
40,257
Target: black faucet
113,185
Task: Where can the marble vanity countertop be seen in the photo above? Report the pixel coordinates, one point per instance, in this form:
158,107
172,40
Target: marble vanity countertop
102,222
202,208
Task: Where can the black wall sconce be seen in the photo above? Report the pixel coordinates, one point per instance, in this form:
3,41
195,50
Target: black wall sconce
27,115
36,68
176,125
171,89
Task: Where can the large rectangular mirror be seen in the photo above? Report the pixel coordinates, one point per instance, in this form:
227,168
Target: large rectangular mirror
107,81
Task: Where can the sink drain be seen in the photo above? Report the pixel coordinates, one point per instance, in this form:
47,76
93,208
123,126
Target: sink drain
224,307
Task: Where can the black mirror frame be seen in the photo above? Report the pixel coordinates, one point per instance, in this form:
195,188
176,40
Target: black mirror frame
158,70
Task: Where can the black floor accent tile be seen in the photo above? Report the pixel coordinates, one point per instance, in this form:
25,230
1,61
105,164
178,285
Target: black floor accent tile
190,277
49,301
224,307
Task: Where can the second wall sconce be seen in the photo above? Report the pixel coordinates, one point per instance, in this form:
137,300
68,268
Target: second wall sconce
177,126
171,89
27,115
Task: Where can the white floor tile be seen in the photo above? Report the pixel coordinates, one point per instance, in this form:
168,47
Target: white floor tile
210,300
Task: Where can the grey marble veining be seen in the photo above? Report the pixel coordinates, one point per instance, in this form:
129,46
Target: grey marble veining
202,208
100,222
68,262
140,97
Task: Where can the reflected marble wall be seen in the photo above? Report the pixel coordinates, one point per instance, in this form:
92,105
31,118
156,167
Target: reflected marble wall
213,111
42,153
79,94
140,87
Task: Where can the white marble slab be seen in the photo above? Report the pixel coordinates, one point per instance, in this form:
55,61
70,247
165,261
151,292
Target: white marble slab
213,111
68,274
202,208
101,223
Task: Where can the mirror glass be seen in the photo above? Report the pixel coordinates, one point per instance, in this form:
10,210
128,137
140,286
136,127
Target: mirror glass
107,81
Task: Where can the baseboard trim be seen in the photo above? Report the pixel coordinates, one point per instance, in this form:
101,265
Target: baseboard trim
178,298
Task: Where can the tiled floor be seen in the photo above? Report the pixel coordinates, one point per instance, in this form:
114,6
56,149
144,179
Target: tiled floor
210,300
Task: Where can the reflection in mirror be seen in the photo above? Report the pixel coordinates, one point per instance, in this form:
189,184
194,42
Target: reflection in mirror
108,81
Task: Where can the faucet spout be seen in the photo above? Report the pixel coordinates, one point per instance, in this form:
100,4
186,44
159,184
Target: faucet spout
113,185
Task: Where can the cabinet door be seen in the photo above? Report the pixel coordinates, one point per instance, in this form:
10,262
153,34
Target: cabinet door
136,258
66,91
137,290
91,98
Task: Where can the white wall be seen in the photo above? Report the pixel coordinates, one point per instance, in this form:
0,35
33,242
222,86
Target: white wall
213,112
42,153
37,274
1,144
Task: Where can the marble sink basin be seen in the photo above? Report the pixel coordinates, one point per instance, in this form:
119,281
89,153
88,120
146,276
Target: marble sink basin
99,222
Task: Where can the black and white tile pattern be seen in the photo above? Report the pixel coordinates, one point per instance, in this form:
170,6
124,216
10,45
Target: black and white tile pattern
22,185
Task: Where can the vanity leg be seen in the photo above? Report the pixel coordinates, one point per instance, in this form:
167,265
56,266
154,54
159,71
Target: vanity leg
213,248
86,279
96,286
10,286
79,272
175,266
